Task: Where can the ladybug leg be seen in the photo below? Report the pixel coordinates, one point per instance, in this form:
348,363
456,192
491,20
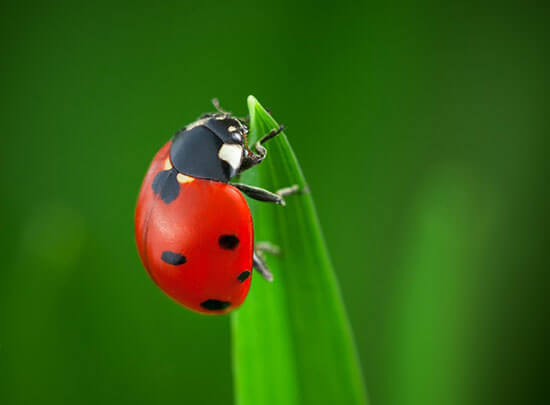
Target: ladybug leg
261,194
283,192
251,159
258,259
259,146
260,266
267,247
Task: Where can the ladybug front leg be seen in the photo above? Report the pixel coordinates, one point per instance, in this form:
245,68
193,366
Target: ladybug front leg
251,159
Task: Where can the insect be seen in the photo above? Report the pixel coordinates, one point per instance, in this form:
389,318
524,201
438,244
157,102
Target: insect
193,226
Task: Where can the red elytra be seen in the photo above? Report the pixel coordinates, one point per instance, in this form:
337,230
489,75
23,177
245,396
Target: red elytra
199,247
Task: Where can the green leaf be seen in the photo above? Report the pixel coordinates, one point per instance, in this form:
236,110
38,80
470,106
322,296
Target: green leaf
292,343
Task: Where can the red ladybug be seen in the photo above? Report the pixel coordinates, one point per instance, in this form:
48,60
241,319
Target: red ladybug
193,227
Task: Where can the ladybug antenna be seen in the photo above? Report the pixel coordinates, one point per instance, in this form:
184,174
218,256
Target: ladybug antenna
216,104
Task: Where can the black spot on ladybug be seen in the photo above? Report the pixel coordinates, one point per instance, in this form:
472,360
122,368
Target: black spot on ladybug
172,258
166,184
243,276
215,305
228,242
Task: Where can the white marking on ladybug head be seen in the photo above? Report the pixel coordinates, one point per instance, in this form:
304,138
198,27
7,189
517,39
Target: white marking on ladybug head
231,128
232,154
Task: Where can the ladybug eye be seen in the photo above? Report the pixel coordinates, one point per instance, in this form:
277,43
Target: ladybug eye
232,154
237,137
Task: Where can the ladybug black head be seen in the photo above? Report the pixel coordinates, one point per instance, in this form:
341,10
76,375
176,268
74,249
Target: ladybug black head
212,147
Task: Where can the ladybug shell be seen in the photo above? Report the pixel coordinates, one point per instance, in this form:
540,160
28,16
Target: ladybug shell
198,247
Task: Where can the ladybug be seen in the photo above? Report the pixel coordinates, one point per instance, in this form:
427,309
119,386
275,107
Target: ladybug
193,226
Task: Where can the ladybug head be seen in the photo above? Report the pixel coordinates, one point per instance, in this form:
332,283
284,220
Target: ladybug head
212,147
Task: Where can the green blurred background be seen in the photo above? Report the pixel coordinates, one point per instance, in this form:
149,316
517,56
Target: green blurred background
422,131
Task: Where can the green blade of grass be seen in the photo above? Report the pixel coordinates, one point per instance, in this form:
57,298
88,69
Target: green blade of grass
292,343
